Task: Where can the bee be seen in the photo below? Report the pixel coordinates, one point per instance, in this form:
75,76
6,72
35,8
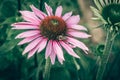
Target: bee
61,37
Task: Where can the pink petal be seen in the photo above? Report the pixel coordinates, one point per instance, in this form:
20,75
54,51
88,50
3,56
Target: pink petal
77,43
79,34
31,45
38,12
58,51
58,11
28,39
48,49
24,25
69,49
28,34
66,16
60,60
77,27
52,57
32,52
73,20
30,17
48,9
70,45
42,45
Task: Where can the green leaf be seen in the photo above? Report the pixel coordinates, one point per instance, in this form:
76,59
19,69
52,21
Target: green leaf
8,9
8,46
11,20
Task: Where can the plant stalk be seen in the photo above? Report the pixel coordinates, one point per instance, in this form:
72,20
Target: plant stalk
19,6
46,74
35,60
39,68
105,57
41,2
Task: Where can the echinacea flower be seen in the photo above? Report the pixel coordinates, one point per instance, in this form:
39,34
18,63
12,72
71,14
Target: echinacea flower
108,11
51,31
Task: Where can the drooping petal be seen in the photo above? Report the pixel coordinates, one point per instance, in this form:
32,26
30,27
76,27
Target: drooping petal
58,11
39,13
79,34
77,27
106,2
116,1
66,16
102,3
70,45
24,25
58,51
77,43
69,49
31,45
60,60
48,49
48,9
52,57
42,45
110,1
28,34
30,17
28,39
73,20
32,52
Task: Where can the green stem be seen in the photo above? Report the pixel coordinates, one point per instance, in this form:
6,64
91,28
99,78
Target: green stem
19,6
39,68
35,60
105,57
77,68
41,2
46,74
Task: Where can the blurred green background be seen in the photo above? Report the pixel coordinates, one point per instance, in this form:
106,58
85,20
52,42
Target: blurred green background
15,66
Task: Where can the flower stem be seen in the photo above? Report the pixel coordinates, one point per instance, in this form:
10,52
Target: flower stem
19,6
35,60
41,2
105,57
46,74
39,68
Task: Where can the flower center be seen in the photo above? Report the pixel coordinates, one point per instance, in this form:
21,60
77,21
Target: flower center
53,27
111,13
